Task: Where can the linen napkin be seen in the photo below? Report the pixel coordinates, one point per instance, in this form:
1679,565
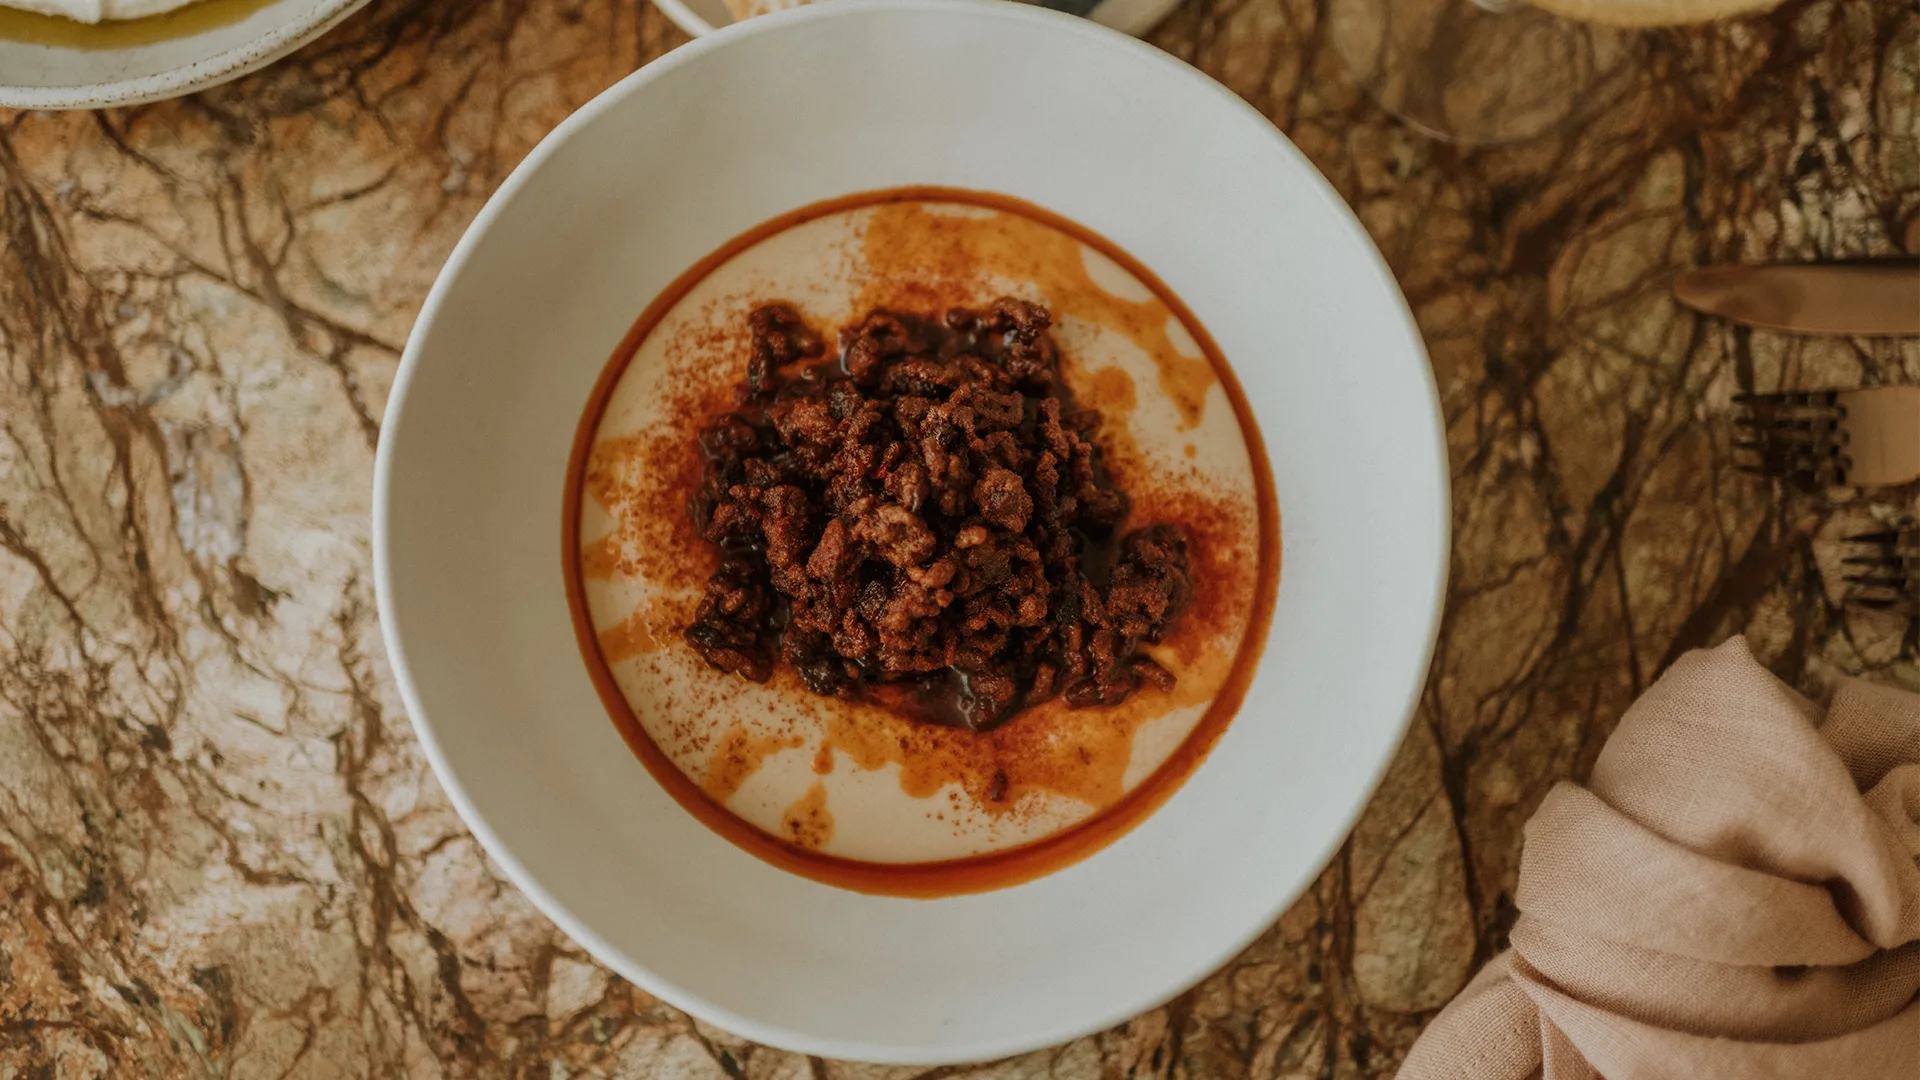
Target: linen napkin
1735,893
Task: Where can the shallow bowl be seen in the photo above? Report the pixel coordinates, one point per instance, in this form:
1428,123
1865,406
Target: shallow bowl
733,130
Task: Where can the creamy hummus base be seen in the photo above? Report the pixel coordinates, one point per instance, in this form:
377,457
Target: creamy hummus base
848,779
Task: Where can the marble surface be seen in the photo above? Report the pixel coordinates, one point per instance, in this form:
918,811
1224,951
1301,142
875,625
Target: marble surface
221,850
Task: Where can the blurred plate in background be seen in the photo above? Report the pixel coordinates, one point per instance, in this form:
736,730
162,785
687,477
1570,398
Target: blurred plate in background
53,63
1134,17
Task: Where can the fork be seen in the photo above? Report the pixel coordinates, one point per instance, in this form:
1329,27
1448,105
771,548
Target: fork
1887,574
1832,438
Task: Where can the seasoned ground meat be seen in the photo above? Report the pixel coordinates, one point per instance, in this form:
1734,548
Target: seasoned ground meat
924,520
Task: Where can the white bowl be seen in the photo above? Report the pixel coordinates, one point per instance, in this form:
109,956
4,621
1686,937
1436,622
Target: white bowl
197,47
777,113
1136,17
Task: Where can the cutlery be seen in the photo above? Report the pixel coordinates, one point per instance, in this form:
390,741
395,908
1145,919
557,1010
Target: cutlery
1878,297
1828,438
1886,573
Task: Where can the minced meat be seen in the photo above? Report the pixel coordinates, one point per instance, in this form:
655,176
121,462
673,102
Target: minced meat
924,520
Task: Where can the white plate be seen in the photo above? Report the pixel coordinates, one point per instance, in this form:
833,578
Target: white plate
35,75
777,113
1136,17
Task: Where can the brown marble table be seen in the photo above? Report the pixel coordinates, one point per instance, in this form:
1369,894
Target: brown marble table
223,854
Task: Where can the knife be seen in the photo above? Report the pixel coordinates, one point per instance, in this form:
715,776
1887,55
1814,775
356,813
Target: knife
1869,298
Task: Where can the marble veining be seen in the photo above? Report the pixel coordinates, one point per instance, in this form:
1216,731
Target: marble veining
223,853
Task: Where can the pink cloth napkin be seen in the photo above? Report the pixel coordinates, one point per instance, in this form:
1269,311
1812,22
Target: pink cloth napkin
1735,893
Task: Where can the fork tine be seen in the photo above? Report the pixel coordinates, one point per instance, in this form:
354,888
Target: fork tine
1792,431
1878,603
1796,466
1765,466
1784,451
1865,568
1787,397
1883,536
